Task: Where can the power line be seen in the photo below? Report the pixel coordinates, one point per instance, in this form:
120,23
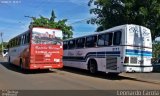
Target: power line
80,21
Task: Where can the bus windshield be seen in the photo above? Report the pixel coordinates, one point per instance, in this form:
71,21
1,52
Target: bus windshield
45,38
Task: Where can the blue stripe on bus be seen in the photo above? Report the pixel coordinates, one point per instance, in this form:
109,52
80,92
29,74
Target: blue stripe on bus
138,53
91,55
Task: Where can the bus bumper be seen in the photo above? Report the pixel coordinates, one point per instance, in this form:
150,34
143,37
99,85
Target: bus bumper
46,66
138,69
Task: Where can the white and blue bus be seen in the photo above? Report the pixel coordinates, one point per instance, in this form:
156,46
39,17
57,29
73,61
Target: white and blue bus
125,48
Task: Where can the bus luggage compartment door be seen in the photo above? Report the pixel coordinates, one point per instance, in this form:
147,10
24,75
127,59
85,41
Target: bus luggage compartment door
111,63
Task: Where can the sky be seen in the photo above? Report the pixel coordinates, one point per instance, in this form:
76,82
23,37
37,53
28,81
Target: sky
14,22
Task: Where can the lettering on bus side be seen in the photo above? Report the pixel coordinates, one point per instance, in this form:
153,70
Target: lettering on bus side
115,49
44,47
46,52
145,33
133,29
79,53
70,54
39,47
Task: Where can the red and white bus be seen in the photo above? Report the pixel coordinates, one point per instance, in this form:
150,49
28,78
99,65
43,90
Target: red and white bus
37,48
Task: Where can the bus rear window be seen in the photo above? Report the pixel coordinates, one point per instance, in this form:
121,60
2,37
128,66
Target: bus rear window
45,38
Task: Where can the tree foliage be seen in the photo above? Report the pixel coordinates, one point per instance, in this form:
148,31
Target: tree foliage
51,23
156,50
111,13
4,46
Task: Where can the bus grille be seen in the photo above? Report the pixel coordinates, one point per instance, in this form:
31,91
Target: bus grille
111,62
133,60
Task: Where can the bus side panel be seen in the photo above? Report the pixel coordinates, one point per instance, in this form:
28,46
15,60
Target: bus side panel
25,56
17,53
74,58
79,58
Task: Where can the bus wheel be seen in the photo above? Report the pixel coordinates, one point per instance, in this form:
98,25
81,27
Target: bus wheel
23,70
92,66
21,64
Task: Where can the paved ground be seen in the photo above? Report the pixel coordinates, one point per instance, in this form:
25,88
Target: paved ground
67,79
146,77
11,77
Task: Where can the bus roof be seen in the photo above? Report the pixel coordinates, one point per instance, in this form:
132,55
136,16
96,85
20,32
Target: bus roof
101,32
32,29
46,28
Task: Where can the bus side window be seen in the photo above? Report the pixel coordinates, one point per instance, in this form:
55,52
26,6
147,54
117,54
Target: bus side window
105,39
71,44
24,39
17,40
117,38
19,43
14,42
65,44
95,41
21,39
100,40
109,38
80,42
91,41
28,38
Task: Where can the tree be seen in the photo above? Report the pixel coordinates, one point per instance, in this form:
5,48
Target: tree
111,13
51,23
52,16
4,46
156,49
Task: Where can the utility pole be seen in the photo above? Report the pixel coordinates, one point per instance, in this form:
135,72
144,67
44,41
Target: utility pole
1,40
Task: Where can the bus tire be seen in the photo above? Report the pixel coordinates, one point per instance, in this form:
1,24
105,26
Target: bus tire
92,66
21,64
23,70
